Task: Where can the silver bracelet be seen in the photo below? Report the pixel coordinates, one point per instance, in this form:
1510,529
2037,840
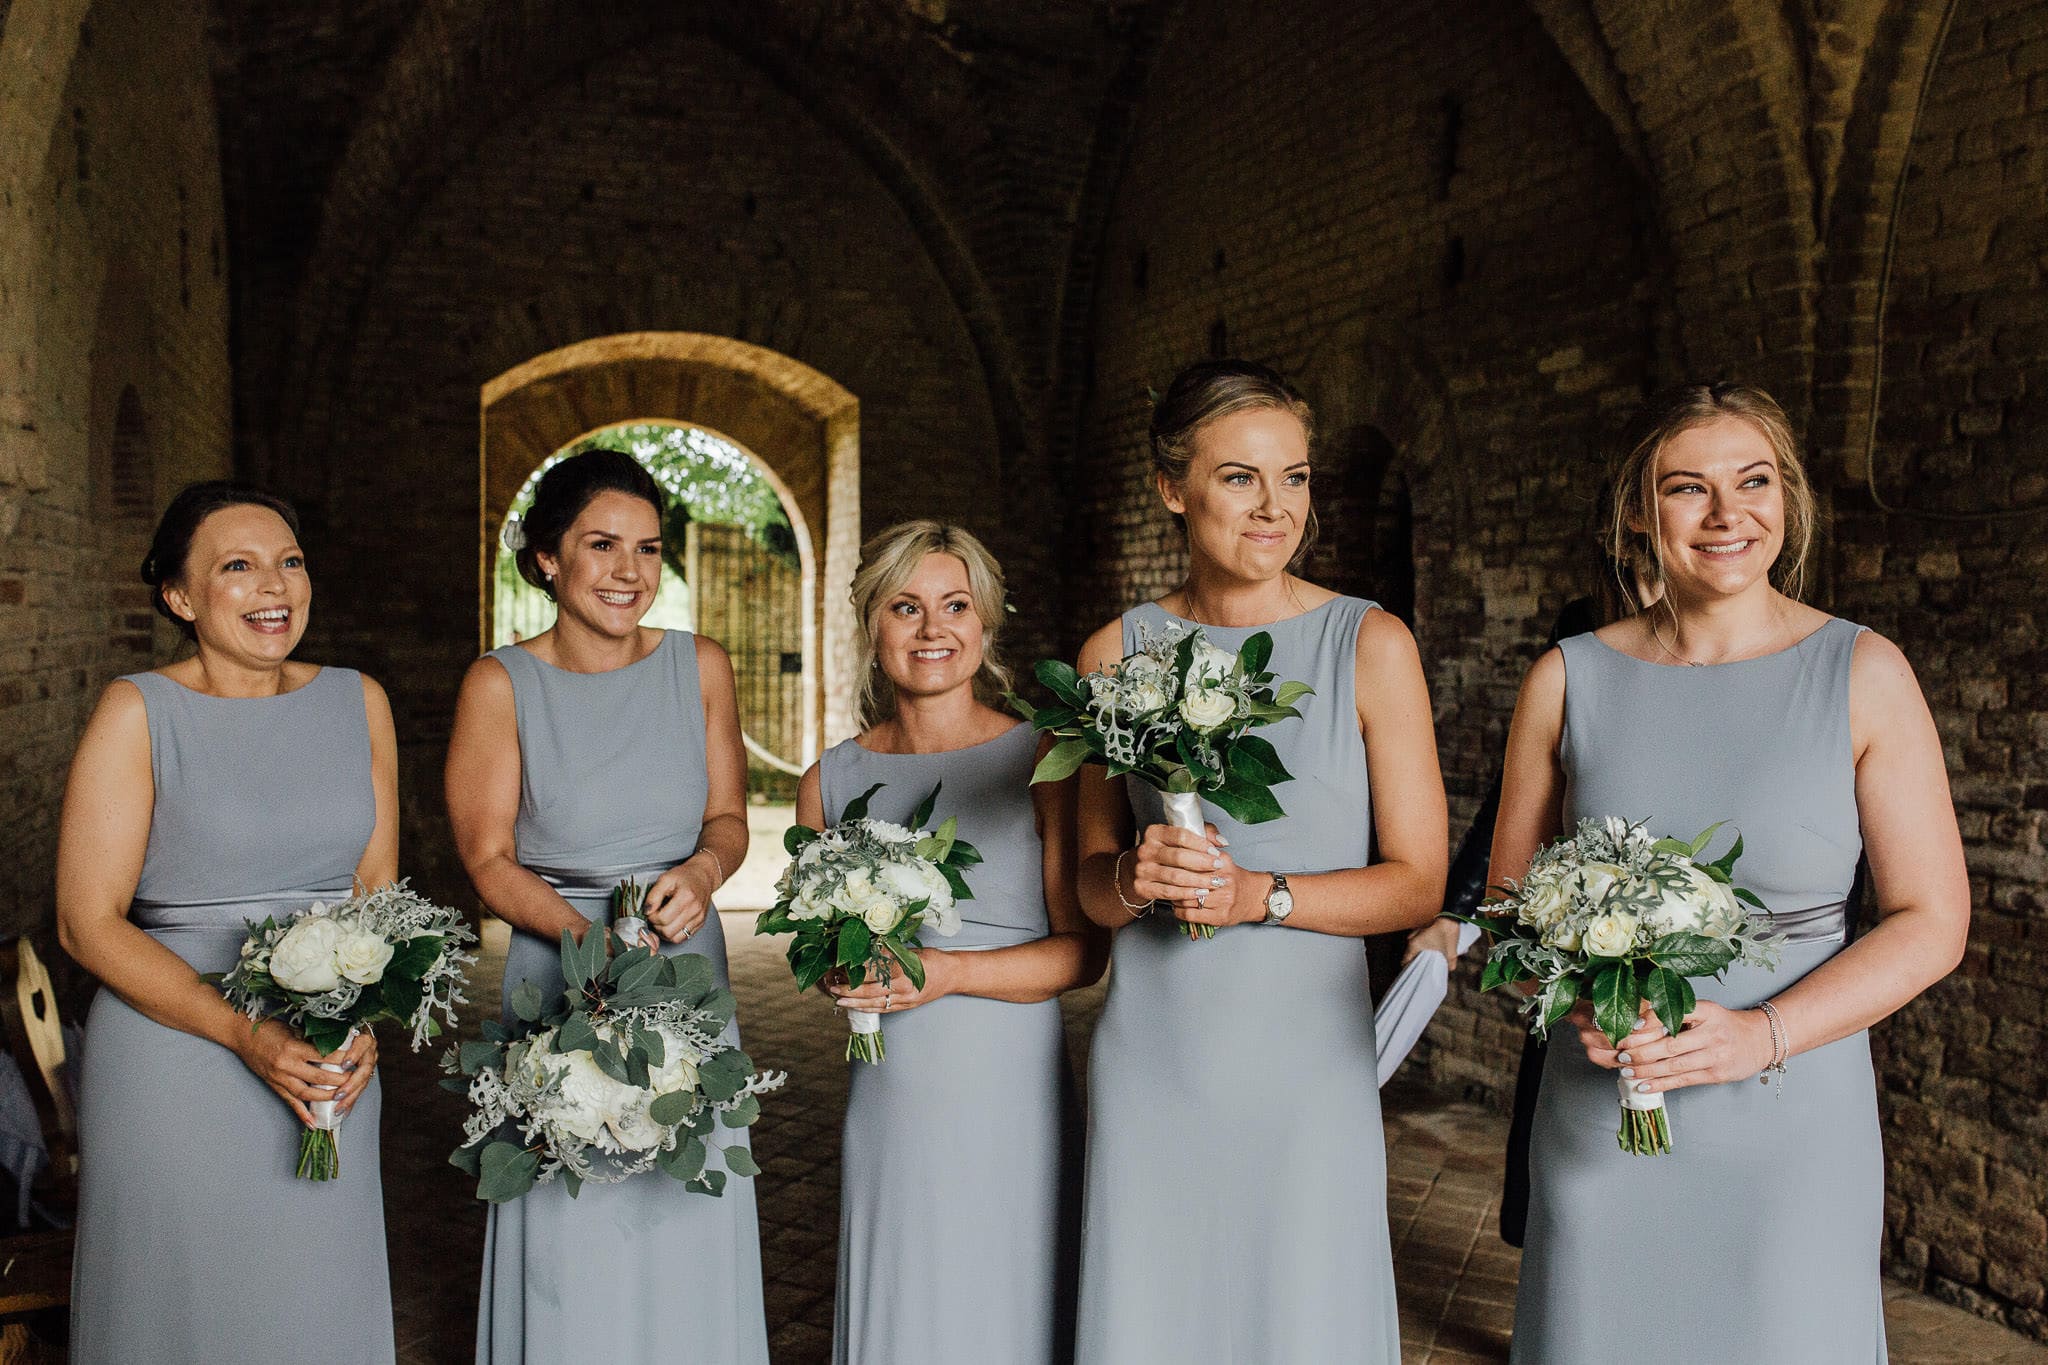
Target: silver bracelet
1780,1048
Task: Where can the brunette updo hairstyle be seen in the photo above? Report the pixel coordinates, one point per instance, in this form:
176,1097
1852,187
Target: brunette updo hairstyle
1211,389
171,546
564,491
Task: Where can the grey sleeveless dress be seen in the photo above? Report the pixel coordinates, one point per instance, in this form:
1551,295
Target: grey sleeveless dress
952,1220
1236,1206
1757,1238
196,1242
613,785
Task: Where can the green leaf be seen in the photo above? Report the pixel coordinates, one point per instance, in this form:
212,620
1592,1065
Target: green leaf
961,891
672,1109
856,941
1061,679
1292,692
468,1159
650,1042
740,1161
924,809
1699,845
724,1074
1725,864
496,1032
1671,995
636,1068
1616,1001
413,958
1254,652
642,970
402,998
908,958
935,847
609,1060
455,1085
963,854
507,1171
1692,954
526,1001
1257,760
1678,848
474,1057
572,1182
685,1160
795,837
1502,971
712,1183
743,1113
1246,805
576,1034
719,1004
1749,898
1562,999
857,809
693,974
1024,709
810,962
1061,761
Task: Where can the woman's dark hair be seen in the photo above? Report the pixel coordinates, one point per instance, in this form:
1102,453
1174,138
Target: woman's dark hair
1211,389
171,546
568,488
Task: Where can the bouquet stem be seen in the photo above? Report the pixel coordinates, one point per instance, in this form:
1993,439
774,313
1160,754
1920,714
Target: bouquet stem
864,1037
319,1157
1184,811
1645,1123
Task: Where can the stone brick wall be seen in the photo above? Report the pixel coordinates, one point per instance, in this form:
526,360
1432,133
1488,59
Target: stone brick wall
117,261
667,189
1964,411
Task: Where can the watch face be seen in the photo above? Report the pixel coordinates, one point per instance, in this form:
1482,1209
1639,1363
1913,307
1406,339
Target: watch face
1280,903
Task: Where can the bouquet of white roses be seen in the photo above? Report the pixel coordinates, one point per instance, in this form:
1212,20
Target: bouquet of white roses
1617,916
858,894
332,970
1177,715
626,1071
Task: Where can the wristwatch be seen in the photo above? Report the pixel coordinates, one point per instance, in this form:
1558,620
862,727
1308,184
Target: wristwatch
1279,901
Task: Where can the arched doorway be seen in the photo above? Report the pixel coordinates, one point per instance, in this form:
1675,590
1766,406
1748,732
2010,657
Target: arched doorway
800,428
731,569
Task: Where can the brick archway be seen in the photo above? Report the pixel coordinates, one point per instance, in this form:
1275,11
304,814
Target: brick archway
802,426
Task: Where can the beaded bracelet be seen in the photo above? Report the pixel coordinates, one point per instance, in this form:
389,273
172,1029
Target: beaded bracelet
1116,882
1780,1047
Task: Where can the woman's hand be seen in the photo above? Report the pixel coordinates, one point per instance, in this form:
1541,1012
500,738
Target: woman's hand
1716,1045
289,1065
1599,1050
1439,935
676,904
899,993
1185,869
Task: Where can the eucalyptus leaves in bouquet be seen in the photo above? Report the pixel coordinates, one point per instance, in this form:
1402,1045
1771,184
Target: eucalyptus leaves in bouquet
1177,715
1618,917
625,1072
337,968
857,896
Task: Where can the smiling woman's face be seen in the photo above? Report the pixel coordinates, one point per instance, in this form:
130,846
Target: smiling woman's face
1720,509
244,586
608,566
1246,494
929,638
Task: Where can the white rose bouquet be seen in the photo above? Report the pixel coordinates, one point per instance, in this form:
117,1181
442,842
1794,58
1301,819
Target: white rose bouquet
1616,916
626,1071
1177,716
332,970
857,896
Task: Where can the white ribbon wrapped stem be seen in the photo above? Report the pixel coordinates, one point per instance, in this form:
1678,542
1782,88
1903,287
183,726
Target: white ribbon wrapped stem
324,1115
1184,811
1632,1098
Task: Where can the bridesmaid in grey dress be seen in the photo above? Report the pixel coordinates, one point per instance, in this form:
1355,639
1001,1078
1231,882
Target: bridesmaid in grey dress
1236,1206
595,752
232,785
1730,700
956,1218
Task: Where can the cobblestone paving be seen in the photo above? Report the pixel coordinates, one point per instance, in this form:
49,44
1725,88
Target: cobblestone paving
1456,1279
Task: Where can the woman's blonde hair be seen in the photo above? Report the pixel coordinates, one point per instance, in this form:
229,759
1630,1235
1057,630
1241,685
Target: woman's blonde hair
887,563
1633,489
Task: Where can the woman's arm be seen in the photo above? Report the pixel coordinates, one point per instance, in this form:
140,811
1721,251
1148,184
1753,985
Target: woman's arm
1072,953
482,781
103,836
379,866
1917,871
1531,810
1406,886
1102,818
681,897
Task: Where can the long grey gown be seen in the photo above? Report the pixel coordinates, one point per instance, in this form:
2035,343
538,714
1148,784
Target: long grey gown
952,1220
613,785
1236,1206
196,1242
1757,1238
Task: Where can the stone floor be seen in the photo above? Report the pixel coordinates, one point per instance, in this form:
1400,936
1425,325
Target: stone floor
1456,1279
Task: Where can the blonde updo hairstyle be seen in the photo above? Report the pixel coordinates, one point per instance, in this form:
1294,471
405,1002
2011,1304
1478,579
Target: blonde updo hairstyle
887,564
1633,489
1211,389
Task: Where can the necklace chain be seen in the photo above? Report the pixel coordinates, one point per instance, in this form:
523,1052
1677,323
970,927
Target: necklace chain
1658,636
